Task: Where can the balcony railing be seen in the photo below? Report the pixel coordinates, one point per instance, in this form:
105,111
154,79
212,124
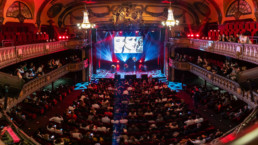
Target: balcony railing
15,54
223,83
246,52
44,80
184,66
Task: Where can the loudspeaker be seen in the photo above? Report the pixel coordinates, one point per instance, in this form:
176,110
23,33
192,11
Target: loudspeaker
128,77
144,77
117,77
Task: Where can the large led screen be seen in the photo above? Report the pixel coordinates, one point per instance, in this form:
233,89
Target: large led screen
129,44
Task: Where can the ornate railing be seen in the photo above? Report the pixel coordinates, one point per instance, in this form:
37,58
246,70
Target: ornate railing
11,81
246,52
222,82
44,80
25,138
184,66
12,55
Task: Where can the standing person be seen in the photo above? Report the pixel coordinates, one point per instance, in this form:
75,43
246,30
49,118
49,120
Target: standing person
196,97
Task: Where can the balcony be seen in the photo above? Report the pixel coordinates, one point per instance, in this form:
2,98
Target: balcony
246,52
223,83
15,54
44,80
183,66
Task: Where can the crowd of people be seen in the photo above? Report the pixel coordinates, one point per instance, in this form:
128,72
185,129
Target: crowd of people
227,69
223,103
128,112
37,104
31,71
239,38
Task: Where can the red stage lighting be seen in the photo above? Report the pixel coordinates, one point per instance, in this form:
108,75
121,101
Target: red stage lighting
197,35
118,61
192,35
188,35
67,37
63,37
140,61
60,37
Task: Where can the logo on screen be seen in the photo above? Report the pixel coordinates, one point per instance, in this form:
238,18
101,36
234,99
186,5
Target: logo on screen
131,44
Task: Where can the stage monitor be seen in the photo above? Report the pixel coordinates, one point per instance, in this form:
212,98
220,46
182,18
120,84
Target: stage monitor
128,44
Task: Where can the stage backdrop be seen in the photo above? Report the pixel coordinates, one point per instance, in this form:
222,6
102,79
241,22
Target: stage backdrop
120,47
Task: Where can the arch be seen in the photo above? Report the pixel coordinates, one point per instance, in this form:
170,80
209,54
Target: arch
19,10
244,8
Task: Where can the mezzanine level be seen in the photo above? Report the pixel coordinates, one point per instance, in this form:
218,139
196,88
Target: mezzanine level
245,52
15,54
44,80
222,82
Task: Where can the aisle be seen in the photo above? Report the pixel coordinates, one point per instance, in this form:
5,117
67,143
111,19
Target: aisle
31,126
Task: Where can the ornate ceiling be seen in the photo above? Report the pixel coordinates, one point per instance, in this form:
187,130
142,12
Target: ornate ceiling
69,12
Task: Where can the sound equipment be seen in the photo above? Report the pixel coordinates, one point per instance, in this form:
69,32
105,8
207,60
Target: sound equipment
128,77
117,77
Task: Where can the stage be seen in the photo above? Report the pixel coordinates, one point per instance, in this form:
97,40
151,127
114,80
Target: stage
103,73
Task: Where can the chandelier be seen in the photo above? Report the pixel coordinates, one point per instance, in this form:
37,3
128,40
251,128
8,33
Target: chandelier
85,24
171,22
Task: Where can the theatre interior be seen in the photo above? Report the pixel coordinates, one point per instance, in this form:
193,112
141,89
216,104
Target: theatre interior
128,72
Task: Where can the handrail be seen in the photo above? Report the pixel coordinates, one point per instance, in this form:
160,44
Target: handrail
222,82
184,66
15,54
42,81
19,131
246,52
12,80
237,128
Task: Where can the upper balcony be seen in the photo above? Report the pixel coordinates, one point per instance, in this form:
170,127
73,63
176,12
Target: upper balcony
245,52
222,82
15,54
35,84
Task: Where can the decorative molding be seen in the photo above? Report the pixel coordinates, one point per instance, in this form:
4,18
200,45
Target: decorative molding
202,8
127,14
43,5
255,2
164,13
54,10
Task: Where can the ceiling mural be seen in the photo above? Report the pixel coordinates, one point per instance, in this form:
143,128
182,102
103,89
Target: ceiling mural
238,8
198,10
127,14
19,10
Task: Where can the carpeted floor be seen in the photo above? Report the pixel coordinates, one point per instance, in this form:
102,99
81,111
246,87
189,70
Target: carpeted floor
31,126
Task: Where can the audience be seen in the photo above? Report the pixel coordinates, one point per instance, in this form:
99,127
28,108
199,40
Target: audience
31,72
227,69
151,114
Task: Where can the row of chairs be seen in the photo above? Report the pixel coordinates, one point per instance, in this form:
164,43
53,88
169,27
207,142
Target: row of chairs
23,38
248,28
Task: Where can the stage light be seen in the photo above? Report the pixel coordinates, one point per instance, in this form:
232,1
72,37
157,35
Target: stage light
63,37
67,37
188,35
60,37
118,61
197,35
136,31
140,61
192,35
